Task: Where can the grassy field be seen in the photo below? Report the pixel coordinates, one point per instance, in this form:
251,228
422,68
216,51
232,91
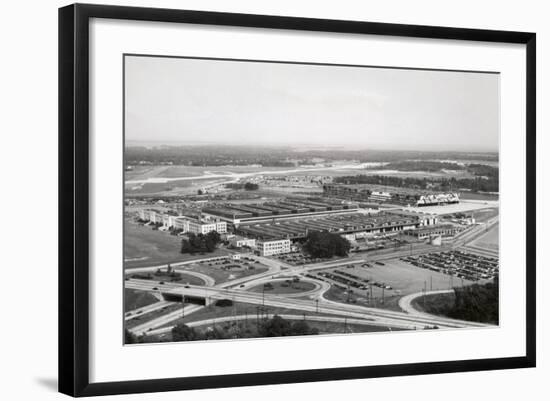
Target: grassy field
146,247
178,187
280,287
477,196
359,297
437,304
485,214
221,276
134,299
489,240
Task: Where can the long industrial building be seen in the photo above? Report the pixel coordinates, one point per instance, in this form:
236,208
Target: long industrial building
288,208
356,223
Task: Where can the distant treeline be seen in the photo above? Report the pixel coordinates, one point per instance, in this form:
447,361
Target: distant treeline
278,156
477,184
248,186
431,166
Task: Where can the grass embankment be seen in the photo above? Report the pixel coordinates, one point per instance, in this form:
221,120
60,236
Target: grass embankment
476,303
284,287
134,299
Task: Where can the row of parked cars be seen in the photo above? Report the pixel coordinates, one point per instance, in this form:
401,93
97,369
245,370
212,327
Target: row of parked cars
459,263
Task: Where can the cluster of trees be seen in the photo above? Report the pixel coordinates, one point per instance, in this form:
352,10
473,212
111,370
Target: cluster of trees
248,186
476,303
326,245
424,165
274,327
200,242
485,183
279,327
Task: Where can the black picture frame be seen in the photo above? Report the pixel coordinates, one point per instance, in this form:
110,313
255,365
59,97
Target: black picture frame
74,198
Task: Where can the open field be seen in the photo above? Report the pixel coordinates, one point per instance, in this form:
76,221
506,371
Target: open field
144,246
489,240
134,299
145,172
465,195
437,304
220,275
360,297
174,187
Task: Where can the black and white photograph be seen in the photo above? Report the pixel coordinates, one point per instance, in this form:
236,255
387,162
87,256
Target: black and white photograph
270,199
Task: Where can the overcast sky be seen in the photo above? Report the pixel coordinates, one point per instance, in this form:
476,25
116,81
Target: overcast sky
210,101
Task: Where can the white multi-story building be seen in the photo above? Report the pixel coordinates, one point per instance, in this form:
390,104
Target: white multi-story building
239,242
181,223
204,227
273,247
155,217
200,225
144,214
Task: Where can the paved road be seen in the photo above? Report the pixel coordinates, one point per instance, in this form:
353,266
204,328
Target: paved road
164,319
146,309
309,318
277,268
379,316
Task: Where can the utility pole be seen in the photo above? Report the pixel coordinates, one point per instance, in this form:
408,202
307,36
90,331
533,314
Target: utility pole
317,306
383,288
431,284
424,296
